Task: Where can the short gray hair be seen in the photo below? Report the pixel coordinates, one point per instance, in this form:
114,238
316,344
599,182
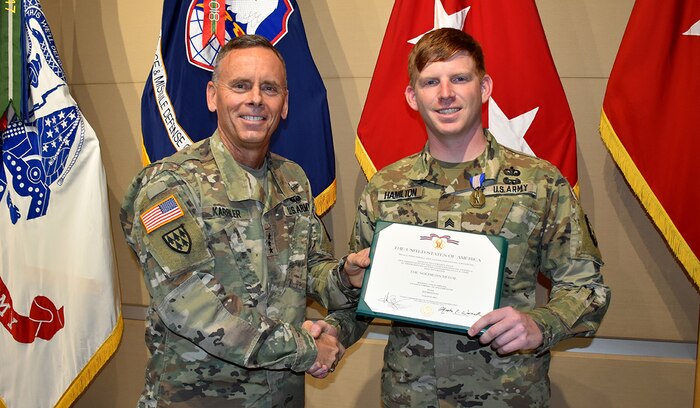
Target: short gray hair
242,42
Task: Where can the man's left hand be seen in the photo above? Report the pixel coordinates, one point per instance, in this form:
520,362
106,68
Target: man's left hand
355,266
510,331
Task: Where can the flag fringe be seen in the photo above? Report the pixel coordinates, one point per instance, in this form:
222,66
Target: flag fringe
363,158
326,199
96,363
145,160
651,203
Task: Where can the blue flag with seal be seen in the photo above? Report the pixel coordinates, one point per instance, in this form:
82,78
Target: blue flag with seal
60,318
174,111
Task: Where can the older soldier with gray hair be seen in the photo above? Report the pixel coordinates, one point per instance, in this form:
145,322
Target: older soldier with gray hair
464,180
230,248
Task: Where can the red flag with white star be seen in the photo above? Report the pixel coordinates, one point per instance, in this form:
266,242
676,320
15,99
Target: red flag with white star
528,110
650,116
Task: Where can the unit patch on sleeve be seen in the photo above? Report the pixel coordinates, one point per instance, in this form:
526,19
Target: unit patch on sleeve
178,240
161,213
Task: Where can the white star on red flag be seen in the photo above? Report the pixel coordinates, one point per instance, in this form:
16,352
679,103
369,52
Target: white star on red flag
694,30
511,132
443,20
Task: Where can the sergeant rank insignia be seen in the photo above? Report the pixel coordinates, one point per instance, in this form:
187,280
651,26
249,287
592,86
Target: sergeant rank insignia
178,240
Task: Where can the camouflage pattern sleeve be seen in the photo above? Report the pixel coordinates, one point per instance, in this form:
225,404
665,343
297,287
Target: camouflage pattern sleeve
325,284
350,326
571,260
184,289
363,230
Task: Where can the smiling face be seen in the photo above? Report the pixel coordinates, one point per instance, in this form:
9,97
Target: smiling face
249,98
448,95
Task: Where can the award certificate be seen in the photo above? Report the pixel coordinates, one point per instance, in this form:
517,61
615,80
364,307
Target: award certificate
432,277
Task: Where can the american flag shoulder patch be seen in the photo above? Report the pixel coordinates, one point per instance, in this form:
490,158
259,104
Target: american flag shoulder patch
161,214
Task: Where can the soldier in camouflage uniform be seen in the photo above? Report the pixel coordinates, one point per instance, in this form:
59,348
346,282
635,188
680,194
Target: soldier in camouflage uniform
522,198
231,247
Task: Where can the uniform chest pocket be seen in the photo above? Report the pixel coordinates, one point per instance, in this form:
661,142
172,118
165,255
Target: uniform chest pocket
519,224
237,247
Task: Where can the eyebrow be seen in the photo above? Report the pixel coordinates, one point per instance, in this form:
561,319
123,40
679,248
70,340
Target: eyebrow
242,79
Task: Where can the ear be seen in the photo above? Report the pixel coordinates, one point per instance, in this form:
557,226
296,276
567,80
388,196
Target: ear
211,96
486,88
285,107
411,97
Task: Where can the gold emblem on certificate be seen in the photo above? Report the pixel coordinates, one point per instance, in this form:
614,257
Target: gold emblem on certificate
438,243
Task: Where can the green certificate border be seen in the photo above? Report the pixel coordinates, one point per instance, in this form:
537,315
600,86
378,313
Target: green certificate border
363,309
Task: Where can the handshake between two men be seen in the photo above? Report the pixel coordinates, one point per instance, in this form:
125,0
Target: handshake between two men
330,350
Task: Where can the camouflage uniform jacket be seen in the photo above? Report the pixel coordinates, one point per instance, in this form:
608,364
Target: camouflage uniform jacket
530,204
228,268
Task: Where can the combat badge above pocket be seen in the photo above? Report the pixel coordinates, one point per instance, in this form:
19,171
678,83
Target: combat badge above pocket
174,237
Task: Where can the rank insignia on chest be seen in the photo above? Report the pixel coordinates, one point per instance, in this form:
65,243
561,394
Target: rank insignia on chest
402,194
270,245
178,240
449,220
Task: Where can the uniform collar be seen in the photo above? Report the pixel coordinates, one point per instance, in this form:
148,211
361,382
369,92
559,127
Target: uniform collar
241,185
426,168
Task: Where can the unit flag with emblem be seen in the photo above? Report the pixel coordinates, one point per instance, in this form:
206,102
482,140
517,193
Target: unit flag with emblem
174,111
59,299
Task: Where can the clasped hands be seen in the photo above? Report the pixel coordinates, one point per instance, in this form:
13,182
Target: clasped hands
330,350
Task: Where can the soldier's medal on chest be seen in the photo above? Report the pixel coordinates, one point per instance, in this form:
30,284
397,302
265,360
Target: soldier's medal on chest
477,199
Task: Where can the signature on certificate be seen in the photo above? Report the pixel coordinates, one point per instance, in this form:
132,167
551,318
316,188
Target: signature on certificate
392,300
457,311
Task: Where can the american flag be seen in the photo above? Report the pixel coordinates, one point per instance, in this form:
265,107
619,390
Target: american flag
161,214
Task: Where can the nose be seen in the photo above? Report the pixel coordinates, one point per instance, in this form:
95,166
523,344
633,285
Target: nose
255,95
445,91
